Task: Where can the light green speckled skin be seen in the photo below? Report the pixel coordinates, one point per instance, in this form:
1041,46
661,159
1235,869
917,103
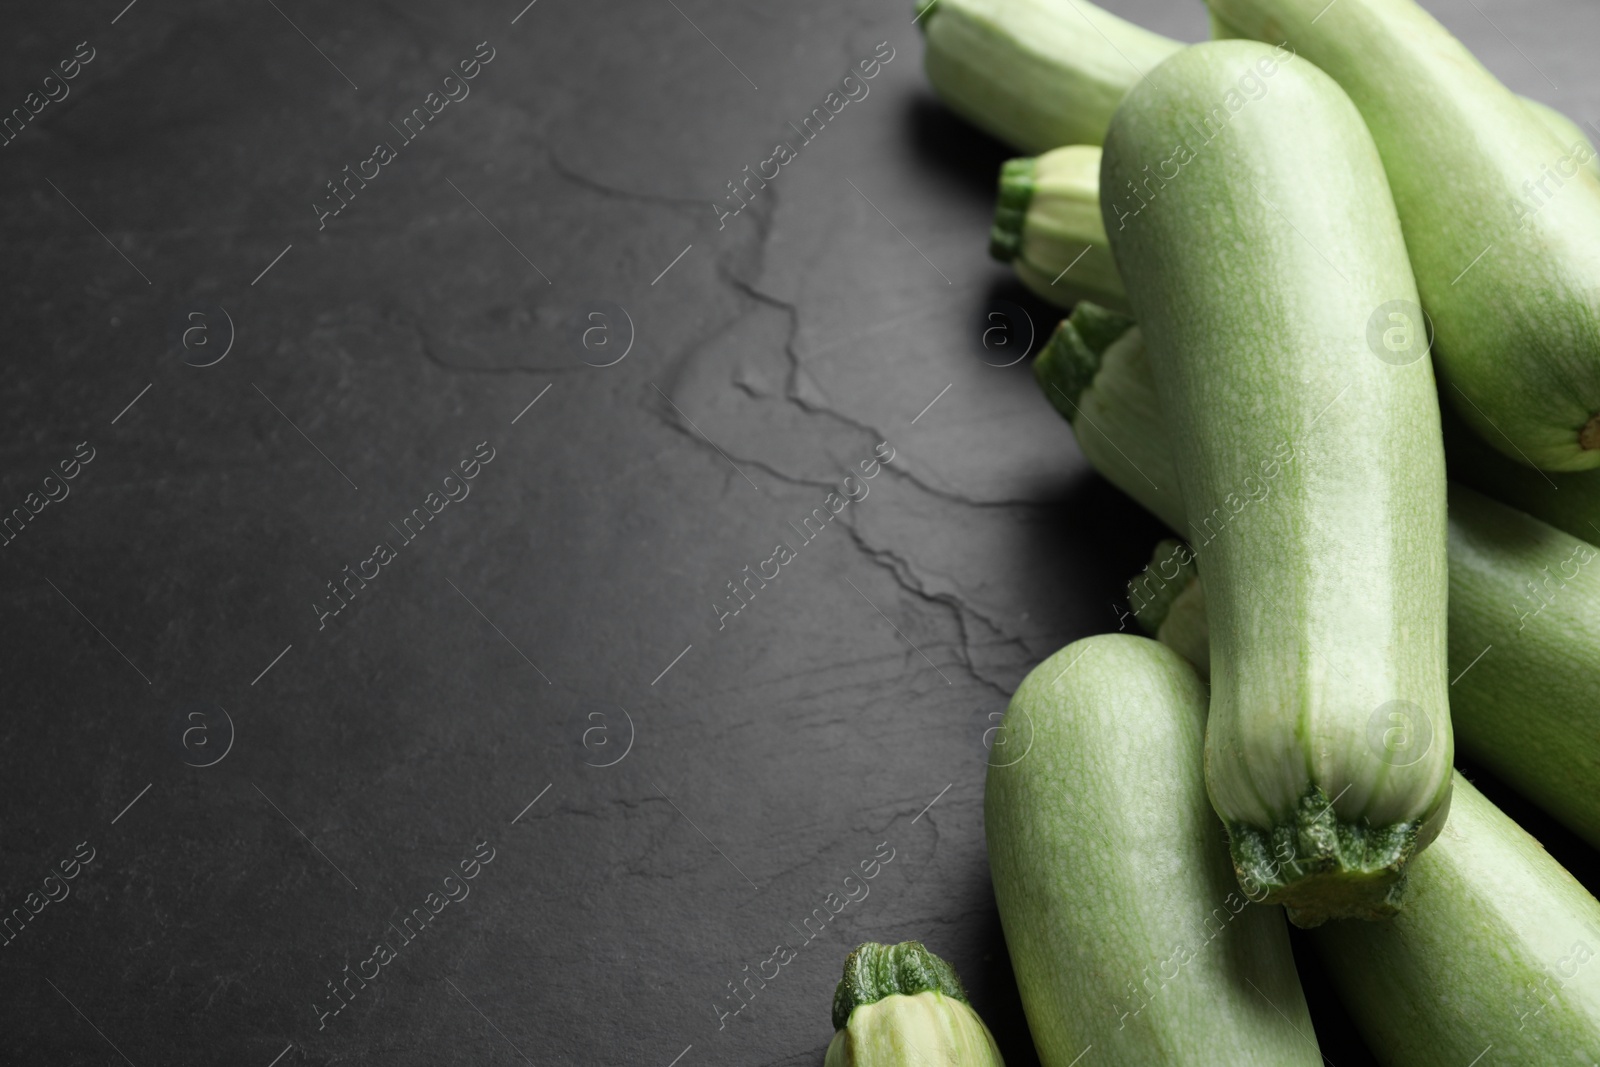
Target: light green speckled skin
1037,74
1126,928
1518,332
923,1030
1529,708
1497,950
1312,471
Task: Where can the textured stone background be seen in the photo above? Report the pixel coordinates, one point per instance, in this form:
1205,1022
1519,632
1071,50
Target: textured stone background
521,640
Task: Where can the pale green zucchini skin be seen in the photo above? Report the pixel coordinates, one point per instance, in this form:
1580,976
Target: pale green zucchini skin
1126,928
1509,273
1037,74
1254,266
1492,956
1527,709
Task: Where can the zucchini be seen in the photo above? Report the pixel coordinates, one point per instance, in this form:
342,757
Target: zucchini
1493,207
1489,953
1254,267
1037,74
1126,930
902,1006
1523,594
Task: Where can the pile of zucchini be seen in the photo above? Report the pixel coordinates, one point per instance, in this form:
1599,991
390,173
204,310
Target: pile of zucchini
1313,266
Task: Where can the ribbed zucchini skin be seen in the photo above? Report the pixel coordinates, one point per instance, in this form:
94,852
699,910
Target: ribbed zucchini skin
1037,74
1125,925
1510,276
1527,709
1311,469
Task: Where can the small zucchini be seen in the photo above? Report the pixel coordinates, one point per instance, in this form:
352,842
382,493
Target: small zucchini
1126,928
1490,954
1523,594
1312,471
1037,74
1502,218
902,1006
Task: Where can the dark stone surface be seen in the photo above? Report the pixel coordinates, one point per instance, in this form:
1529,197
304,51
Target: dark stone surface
524,637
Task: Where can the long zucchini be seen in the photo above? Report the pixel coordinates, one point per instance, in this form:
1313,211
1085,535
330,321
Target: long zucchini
1524,656
1126,930
1501,217
1254,266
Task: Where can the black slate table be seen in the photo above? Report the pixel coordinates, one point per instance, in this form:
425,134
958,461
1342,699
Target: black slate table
433,420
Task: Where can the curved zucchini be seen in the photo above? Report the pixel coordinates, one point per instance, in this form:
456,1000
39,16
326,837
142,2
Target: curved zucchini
1126,929
1490,953
1502,219
1525,701
1254,267
1037,74
902,1006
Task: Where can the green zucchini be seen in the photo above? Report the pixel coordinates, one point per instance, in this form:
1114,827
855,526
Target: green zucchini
902,1006
1502,218
1254,266
1037,74
1126,929
1489,954
1523,594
